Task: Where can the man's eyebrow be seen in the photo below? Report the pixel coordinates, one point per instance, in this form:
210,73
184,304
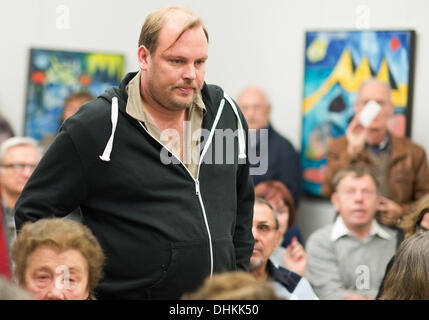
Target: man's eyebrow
263,222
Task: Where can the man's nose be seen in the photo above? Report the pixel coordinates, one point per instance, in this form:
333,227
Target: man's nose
358,195
190,71
255,233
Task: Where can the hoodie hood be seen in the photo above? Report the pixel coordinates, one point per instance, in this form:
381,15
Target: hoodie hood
114,95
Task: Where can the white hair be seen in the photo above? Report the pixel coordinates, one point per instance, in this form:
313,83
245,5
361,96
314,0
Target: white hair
18,141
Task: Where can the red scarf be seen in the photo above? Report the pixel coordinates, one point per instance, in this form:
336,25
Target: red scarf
4,259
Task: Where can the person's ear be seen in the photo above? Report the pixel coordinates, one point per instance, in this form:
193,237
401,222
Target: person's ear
268,110
144,57
335,201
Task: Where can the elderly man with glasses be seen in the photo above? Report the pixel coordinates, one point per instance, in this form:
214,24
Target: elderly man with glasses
19,157
288,285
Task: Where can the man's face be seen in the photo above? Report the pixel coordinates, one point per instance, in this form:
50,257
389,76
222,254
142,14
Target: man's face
255,108
282,211
72,106
174,73
379,93
52,275
266,236
17,166
356,200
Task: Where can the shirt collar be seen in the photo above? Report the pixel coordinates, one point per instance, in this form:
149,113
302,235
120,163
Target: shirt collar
340,230
382,145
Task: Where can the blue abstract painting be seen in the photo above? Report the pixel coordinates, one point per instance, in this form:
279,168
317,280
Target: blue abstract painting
54,75
336,64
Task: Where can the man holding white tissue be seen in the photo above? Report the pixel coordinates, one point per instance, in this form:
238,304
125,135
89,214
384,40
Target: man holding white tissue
399,164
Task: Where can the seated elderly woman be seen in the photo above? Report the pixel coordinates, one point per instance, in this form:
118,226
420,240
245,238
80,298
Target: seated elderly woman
57,259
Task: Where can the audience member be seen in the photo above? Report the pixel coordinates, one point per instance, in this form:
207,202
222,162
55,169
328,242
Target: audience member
18,158
71,105
238,285
289,285
399,164
146,200
416,221
279,197
408,279
283,160
347,260
58,259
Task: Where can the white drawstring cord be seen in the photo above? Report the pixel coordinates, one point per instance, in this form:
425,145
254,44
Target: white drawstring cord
241,140
114,119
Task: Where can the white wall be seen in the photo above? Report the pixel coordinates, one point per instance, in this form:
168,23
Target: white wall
252,42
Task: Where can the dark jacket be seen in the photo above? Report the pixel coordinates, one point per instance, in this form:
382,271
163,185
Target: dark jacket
297,287
162,230
283,164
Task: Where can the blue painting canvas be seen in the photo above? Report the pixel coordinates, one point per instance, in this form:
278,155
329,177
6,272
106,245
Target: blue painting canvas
336,64
54,75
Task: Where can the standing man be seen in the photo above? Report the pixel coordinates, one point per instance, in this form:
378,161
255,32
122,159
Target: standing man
138,161
18,158
399,165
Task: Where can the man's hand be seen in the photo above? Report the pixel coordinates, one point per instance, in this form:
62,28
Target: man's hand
356,135
389,210
295,258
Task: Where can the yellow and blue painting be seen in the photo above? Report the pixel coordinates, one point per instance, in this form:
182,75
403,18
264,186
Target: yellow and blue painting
54,75
336,64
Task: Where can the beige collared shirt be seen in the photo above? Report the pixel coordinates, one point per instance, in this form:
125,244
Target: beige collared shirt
191,131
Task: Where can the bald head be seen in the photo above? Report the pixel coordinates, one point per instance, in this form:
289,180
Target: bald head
255,106
380,92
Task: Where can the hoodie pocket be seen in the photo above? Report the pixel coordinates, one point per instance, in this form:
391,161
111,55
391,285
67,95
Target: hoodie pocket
189,266
224,255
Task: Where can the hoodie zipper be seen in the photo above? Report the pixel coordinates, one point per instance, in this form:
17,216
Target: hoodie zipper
197,192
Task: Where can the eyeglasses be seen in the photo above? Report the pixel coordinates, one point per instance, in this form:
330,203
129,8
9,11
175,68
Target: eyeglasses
19,166
282,210
264,228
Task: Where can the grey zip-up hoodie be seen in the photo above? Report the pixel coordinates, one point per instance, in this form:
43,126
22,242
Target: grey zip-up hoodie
162,230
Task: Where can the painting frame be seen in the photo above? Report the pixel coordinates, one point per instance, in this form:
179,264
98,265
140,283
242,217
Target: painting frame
53,74
336,62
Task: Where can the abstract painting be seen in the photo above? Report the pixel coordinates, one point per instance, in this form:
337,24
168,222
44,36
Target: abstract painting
336,64
53,75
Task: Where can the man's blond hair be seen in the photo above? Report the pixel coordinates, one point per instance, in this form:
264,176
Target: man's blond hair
156,20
